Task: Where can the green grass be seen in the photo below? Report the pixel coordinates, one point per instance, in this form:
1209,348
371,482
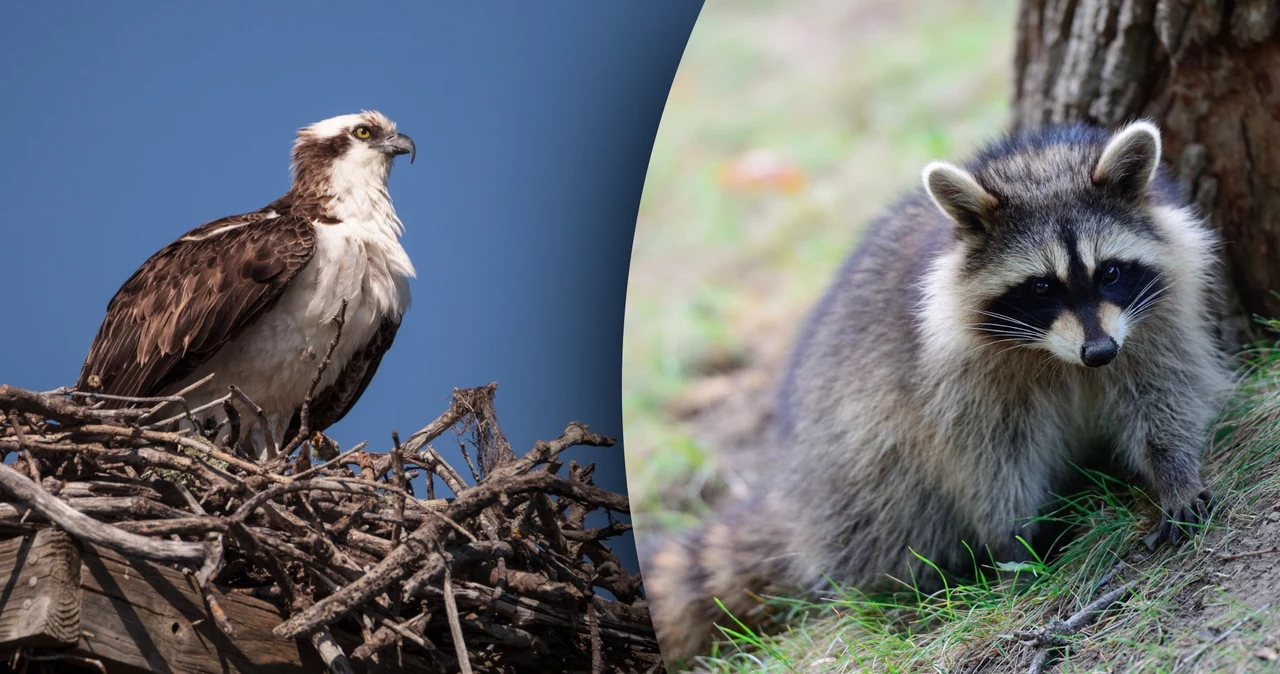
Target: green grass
965,626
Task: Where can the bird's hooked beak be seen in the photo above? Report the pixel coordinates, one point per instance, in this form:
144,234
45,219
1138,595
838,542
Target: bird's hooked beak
399,144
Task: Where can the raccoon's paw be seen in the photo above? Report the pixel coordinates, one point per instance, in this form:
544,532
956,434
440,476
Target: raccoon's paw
1182,521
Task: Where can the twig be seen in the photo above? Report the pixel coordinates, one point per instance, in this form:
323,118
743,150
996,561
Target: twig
24,445
397,529
330,465
164,401
404,631
386,635
195,385
1107,577
189,415
233,433
86,528
304,415
204,578
268,435
194,444
261,498
57,408
179,394
466,457
593,621
212,565
397,474
1252,553
455,628
550,525
127,399
1038,661
1053,635
445,421
331,653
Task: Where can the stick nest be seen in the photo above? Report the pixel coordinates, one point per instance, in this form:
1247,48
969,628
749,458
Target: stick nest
502,576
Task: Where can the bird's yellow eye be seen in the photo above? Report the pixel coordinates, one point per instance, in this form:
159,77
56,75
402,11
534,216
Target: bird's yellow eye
362,132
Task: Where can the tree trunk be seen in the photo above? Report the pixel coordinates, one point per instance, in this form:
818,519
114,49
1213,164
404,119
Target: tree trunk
1206,71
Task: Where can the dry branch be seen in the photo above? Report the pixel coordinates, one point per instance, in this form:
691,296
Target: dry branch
1055,635
503,576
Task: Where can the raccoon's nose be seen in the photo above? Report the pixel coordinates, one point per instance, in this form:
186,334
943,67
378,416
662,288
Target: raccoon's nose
1098,351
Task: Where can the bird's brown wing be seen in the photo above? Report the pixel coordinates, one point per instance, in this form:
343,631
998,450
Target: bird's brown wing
191,298
333,403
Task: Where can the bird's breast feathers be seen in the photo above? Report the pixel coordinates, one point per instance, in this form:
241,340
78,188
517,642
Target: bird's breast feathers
362,263
275,358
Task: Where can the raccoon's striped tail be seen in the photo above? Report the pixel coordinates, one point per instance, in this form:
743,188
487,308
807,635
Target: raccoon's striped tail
732,557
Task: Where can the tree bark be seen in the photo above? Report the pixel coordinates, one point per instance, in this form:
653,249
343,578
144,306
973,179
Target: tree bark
1206,71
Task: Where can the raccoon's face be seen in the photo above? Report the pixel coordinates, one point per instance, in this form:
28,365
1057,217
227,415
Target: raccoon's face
1060,252
1080,309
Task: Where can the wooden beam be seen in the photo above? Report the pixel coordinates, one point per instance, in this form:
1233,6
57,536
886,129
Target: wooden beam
138,616
40,594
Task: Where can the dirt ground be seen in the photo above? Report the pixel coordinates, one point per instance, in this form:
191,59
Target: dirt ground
730,409
1207,612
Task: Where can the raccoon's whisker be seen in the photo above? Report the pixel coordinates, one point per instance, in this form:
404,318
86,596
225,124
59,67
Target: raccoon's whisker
1022,311
1002,317
1021,345
993,327
1136,296
1059,371
1050,364
1143,301
1003,331
1147,302
1140,309
1019,340
998,338
1134,318
982,348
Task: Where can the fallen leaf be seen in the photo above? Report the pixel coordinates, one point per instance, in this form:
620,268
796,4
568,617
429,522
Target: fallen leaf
762,170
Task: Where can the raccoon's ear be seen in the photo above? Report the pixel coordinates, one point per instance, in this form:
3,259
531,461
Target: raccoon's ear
958,194
1130,158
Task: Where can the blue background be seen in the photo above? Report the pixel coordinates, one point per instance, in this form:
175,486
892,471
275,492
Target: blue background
124,125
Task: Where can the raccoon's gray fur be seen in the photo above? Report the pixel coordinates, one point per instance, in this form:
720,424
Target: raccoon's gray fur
1054,302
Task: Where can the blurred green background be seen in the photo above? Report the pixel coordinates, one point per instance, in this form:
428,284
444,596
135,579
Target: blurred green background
789,126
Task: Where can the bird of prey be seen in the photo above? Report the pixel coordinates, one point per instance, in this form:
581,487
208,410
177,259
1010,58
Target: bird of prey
253,300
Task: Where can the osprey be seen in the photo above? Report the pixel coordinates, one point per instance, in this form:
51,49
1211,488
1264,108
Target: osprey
253,300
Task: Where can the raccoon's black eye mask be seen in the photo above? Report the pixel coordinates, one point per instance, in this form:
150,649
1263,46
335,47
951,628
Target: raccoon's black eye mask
1132,285
1106,281
1028,309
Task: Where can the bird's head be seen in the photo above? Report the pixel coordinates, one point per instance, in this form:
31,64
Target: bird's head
348,153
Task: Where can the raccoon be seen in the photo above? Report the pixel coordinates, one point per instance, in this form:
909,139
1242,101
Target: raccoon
1053,303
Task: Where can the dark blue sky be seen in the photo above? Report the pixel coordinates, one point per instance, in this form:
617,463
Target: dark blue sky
126,124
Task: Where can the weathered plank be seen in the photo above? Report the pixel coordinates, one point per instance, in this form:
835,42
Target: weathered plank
40,599
137,616
152,617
